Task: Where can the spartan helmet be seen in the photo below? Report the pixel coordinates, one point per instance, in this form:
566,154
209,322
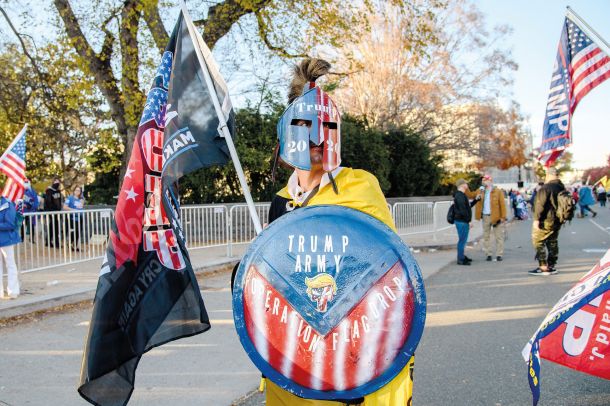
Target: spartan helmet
316,108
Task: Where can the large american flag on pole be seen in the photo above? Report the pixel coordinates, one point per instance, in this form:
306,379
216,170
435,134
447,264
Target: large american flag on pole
12,164
582,63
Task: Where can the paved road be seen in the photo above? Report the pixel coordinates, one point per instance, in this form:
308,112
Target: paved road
479,319
40,360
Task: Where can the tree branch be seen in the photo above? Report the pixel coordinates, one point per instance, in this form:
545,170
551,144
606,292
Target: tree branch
23,46
100,68
263,34
155,24
222,16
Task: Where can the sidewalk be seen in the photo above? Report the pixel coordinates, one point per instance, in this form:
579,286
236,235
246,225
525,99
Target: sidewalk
50,289
63,285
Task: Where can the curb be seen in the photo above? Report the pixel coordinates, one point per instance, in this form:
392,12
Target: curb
54,304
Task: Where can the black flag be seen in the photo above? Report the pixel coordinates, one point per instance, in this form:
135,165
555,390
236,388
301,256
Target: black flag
147,294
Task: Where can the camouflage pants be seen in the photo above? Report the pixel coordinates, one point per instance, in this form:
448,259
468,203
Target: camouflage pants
546,245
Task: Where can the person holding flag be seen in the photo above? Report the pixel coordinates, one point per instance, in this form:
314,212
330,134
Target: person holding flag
12,164
147,293
309,140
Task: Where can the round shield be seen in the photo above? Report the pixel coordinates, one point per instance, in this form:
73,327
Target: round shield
329,303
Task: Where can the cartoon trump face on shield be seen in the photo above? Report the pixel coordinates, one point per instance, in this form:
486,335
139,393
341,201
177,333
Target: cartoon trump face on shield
321,289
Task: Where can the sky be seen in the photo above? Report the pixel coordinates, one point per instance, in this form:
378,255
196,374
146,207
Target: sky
537,27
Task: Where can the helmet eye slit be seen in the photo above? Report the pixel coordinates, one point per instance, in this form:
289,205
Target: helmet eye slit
301,122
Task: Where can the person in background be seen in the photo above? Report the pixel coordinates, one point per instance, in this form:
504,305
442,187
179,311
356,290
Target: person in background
585,199
545,230
9,237
30,205
52,202
601,195
491,209
75,202
512,196
533,198
463,216
575,194
521,207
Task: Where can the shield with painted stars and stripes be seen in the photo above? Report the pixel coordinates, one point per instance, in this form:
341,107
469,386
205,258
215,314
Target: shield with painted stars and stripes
329,303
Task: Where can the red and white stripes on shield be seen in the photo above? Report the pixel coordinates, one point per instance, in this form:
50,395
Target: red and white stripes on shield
356,351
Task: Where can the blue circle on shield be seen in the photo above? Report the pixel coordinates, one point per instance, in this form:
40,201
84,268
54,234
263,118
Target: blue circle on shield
329,303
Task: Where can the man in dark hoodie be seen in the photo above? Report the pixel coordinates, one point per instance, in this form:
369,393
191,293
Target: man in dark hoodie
463,216
545,230
52,202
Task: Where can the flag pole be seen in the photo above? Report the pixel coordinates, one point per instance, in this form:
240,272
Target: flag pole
586,28
223,129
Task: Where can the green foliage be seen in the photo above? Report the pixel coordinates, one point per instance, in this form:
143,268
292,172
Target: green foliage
364,147
400,160
255,144
61,106
105,161
414,170
448,180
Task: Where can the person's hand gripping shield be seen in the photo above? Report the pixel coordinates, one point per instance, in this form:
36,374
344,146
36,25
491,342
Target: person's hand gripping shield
310,120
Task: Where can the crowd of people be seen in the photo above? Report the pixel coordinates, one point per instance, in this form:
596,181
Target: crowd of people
551,205
12,232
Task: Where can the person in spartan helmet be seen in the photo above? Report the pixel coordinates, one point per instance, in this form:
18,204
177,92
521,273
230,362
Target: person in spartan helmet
309,141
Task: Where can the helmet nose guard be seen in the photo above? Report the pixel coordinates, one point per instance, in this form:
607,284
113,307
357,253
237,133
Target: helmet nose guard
319,112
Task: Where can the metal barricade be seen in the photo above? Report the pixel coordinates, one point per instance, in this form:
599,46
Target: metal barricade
204,226
59,238
420,217
413,217
440,216
241,228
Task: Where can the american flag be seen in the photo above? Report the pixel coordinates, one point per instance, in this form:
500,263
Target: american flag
581,65
12,164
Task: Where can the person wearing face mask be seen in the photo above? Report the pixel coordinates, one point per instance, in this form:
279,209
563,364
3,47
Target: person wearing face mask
53,202
75,202
30,205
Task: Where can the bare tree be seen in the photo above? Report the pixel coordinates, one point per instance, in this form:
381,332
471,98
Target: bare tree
435,89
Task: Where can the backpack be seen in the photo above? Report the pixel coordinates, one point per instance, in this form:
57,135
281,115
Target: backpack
451,214
565,207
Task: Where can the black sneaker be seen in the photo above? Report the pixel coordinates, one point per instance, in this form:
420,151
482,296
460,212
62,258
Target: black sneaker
467,259
499,258
540,272
464,262
489,257
594,214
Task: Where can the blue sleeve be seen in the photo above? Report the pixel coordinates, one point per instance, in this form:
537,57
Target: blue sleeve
69,202
34,197
9,220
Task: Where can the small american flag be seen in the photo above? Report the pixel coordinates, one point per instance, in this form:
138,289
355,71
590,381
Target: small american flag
581,65
12,164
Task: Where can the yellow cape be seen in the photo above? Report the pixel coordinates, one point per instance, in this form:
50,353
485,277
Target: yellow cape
358,189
